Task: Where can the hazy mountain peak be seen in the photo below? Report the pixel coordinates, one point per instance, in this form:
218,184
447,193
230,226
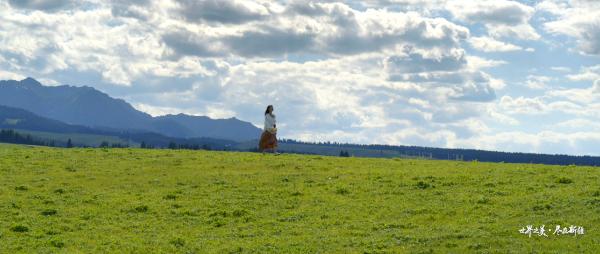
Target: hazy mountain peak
30,82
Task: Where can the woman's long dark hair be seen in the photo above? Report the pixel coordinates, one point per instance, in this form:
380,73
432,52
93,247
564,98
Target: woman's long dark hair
269,112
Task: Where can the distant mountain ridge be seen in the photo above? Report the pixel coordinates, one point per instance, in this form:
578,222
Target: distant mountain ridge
89,107
236,130
23,121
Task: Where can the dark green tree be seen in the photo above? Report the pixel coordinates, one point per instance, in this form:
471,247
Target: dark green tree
104,144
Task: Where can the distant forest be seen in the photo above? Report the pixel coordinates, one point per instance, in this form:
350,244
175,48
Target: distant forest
459,154
330,149
13,137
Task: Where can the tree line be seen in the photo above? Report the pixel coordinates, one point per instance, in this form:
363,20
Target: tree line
13,137
462,154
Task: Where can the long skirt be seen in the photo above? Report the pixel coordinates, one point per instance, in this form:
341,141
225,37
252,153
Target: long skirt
268,140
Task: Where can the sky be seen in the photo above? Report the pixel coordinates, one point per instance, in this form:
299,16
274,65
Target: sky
520,76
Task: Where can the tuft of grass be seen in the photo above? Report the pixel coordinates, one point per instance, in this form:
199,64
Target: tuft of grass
423,185
342,191
178,242
19,229
52,232
219,182
593,202
218,214
191,213
239,213
141,209
57,243
542,207
475,246
170,197
216,222
483,200
49,212
491,185
564,180
21,188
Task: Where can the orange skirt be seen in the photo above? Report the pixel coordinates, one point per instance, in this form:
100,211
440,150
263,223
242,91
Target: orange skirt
267,141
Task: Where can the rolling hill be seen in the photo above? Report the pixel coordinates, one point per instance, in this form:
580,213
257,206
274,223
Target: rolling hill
16,118
164,201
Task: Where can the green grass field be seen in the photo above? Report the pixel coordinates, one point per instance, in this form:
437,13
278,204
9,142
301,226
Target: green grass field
56,200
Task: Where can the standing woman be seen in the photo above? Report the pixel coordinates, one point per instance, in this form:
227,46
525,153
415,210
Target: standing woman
268,139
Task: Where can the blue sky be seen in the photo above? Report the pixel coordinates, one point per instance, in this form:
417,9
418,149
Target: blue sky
500,75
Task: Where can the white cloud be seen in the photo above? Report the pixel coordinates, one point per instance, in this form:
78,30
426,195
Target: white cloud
551,142
502,18
158,111
523,105
501,118
319,28
591,73
522,31
488,44
580,124
5,75
212,112
577,19
475,62
491,12
561,69
43,5
588,95
538,82
231,11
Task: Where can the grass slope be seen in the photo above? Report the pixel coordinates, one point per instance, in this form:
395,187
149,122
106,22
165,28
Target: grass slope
164,201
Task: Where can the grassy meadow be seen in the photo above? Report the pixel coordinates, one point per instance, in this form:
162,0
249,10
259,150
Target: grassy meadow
55,200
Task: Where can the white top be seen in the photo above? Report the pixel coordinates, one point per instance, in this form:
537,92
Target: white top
269,121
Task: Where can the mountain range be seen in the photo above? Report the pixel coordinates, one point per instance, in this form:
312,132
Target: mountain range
49,131
87,107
